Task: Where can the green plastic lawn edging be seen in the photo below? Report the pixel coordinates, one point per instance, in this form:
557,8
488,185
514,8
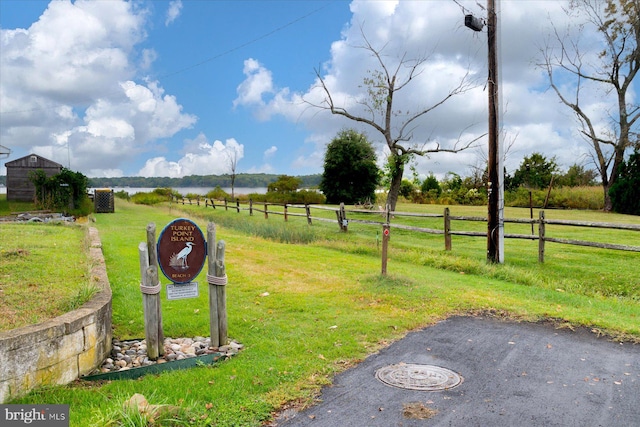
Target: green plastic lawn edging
133,373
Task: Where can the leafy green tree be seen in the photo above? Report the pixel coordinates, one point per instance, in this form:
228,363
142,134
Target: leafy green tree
408,189
431,184
451,182
535,172
350,174
625,193
577,176
284,184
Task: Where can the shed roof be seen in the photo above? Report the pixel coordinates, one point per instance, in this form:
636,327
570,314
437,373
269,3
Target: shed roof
40,161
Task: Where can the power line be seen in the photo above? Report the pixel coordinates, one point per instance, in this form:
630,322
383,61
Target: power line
257,39
219,55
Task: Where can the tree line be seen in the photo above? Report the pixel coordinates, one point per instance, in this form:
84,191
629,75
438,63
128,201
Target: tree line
205,181
351,175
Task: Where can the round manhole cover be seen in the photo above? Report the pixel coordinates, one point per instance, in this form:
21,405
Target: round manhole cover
418,377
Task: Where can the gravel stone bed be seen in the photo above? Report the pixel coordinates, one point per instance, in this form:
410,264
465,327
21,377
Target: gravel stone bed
133,353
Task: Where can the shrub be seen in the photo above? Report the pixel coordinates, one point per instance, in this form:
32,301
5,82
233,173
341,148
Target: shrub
65,191
217,194
122,195
152,198
559,198
167,193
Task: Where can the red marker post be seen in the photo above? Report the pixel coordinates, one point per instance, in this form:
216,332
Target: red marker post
385,247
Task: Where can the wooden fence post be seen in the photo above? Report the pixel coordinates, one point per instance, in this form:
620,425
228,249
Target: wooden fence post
250,207
238,205
226,207
266,214
286,211
385,247
541,233
308,211
344,222
447,230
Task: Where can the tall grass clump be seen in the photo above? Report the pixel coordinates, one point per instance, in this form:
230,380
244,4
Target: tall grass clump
291,197
583,197
157,196
278,232
122,413
122,195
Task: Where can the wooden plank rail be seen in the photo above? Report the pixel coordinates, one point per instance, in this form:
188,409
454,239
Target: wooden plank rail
345,216
593,244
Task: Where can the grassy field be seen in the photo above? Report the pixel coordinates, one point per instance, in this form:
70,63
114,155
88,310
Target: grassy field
44,272
44,268
305,311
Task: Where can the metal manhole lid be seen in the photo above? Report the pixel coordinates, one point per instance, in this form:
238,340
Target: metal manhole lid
418,377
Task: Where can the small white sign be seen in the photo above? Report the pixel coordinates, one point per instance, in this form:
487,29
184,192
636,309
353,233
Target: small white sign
182,291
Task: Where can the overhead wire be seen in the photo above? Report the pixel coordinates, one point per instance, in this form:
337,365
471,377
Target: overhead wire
257,39
198,64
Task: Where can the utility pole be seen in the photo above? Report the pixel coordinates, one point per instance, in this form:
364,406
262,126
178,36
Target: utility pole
495,217
495,233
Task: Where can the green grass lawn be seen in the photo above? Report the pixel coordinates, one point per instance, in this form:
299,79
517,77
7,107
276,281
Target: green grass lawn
307,311
44,272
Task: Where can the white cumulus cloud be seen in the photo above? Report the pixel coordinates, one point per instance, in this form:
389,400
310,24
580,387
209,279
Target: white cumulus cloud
175,8
200,157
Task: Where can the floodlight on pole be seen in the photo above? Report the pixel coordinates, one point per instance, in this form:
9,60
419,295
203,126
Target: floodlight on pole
472,22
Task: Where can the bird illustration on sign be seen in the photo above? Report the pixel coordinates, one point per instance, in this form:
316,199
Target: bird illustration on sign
179,261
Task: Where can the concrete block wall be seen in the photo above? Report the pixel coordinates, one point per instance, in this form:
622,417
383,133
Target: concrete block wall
62,349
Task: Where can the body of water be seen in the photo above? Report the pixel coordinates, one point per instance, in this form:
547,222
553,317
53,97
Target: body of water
182,190
191,190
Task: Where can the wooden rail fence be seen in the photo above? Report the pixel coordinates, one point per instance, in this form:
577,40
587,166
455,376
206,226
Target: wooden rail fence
343,222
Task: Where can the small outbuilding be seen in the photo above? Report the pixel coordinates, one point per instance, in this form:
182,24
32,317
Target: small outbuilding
19,186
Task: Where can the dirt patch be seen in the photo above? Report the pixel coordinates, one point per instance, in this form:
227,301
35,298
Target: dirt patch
417,411
15,253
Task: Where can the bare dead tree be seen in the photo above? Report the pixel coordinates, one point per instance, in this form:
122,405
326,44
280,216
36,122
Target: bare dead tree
613,70
383,84
232,155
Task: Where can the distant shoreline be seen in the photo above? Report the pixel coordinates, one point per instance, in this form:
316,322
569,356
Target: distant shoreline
187,190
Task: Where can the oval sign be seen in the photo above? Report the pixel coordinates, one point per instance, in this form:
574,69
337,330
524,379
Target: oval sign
182,250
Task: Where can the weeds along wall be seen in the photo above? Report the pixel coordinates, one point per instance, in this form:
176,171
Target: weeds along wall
59,350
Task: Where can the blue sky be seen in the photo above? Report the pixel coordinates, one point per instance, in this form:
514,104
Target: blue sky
174,88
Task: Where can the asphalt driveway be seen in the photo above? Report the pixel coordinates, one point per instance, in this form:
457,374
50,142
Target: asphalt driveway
511,374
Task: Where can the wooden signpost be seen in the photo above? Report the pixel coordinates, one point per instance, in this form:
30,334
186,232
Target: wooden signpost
217,279
150,288
180,254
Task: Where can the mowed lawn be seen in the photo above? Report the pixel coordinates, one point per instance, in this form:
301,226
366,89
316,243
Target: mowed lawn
307,311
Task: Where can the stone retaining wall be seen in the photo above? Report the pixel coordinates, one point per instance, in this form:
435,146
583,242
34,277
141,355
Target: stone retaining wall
62,349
